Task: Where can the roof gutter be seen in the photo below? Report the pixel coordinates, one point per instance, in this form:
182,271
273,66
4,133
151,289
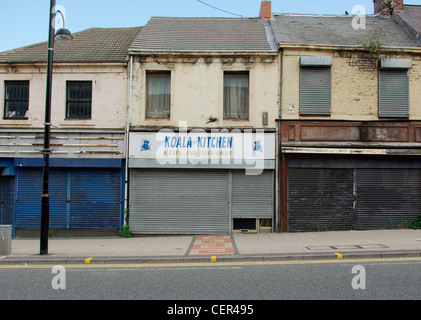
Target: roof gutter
347,47
201,52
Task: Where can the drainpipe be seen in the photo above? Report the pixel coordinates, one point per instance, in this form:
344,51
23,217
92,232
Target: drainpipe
129,121
280,154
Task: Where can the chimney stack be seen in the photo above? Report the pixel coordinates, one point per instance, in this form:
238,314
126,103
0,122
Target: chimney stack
386,7
266,10
398,5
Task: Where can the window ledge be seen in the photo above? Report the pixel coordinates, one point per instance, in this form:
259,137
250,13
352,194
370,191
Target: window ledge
15,122
77,123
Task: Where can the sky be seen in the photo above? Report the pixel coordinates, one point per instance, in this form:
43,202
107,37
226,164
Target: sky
25,22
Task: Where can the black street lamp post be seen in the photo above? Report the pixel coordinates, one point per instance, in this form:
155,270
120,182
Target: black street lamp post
45,199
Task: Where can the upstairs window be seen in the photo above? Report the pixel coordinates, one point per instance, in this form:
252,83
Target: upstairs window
158,94
236,95
79,100
315,85
393,93
16,99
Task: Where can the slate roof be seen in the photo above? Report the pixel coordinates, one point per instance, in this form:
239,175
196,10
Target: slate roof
202,35
410,20
91,45
412,15
338,30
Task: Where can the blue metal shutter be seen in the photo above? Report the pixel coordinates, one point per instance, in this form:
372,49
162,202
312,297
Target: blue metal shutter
95,200
7,198
315,91
58,198
393,93
1,201
29,198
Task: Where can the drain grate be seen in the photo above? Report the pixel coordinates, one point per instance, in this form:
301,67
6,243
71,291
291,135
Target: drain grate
346,247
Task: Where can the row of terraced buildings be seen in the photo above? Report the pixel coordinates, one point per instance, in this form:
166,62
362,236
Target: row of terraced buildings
287,122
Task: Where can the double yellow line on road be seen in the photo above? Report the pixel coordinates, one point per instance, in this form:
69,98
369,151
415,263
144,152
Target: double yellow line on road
92,263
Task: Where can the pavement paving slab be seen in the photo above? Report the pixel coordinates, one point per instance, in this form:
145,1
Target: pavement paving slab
228,247
212,245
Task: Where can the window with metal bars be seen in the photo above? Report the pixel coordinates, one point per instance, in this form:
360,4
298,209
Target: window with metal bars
16,99
79,100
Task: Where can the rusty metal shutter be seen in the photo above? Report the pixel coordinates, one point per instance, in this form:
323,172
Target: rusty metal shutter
387,198
320,199
179,201
252,195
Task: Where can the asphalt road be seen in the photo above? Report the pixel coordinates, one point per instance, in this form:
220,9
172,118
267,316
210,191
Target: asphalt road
306,280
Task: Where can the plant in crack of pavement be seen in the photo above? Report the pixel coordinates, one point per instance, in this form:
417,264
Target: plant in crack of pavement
416,224
125,229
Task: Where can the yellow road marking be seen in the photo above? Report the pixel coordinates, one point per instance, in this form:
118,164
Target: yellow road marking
209,264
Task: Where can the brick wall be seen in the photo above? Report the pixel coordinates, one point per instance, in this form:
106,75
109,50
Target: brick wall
109,95
354,85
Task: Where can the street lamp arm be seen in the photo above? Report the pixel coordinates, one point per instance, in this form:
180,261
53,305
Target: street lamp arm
62,16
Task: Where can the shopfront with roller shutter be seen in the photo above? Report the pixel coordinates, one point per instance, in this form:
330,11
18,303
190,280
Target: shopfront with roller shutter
182,197
80,197
328,194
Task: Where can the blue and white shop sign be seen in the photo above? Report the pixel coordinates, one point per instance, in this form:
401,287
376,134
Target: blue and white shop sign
198,148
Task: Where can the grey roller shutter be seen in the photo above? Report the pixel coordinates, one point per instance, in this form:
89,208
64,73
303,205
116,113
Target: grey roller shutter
179,201
393,93
387,198
315,91
320,199
252,195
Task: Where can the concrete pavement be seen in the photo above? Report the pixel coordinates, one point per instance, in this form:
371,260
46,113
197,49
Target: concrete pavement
222,248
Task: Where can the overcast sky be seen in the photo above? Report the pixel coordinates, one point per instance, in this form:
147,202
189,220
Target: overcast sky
25,22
